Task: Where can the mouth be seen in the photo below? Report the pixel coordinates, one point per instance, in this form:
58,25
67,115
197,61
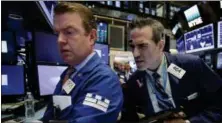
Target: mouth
64,51
139,61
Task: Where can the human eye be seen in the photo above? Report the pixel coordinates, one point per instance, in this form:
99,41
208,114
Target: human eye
132,46
142,46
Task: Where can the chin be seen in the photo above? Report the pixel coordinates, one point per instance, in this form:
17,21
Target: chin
141,68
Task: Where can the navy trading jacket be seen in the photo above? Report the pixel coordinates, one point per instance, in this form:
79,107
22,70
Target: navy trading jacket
96,98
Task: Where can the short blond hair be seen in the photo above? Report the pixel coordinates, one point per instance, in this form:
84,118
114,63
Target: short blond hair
85,13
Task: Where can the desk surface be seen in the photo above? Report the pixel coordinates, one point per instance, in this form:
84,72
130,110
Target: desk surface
38,115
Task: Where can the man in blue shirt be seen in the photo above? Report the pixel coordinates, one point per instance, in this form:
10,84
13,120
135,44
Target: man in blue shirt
182,84
88,92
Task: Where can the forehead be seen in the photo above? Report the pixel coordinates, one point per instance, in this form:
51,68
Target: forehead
67,19
145,32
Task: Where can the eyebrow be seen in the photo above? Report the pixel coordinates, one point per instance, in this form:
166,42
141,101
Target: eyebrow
67,27
140,43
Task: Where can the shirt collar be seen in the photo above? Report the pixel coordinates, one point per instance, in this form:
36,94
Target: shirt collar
159,70
83,63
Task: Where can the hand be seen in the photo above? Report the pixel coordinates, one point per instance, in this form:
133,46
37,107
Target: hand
175,121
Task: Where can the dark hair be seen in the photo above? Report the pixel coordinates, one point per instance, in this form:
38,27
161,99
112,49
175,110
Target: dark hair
85,13
157,27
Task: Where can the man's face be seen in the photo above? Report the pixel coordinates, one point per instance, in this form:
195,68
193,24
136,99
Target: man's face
147,54
74,43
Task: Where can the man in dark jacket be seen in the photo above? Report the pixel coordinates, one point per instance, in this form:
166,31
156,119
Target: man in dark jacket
183,84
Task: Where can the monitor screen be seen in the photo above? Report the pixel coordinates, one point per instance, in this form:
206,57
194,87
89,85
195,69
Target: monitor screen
48,77
219,60
46,48
13,81
102,28
103,51
126,4
199,39
47,8
193,16
221,4
208,60
180,45
219,38
118,4
176,27
109,3
9,53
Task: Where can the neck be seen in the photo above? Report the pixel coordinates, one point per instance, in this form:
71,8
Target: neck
157,63
73,64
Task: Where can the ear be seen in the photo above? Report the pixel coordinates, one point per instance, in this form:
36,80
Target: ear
161,44
93,36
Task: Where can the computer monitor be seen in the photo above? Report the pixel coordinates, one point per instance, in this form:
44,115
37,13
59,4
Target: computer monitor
48,77
110,3
219,35
219,60
13,80
103,51
180,45
199,39
46,48
102,32
9,51
193,16
221,4
117,4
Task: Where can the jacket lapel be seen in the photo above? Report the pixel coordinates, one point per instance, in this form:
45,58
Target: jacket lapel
144,95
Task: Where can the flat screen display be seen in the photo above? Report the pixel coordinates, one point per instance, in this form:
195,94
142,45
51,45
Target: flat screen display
118,4
219,60
199,39
48,77
9,51
180,45
109,3
46,48
193,16
221,4
102,32
103,51
219,35
13,81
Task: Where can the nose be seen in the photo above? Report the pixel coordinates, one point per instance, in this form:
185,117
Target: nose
61,38
136,52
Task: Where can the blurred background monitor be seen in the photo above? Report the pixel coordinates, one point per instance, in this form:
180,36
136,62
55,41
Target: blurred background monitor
219,35
219,60
13,80
48,77
46,48
193,16
199,39
103,51
9,48
180,45
102,32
